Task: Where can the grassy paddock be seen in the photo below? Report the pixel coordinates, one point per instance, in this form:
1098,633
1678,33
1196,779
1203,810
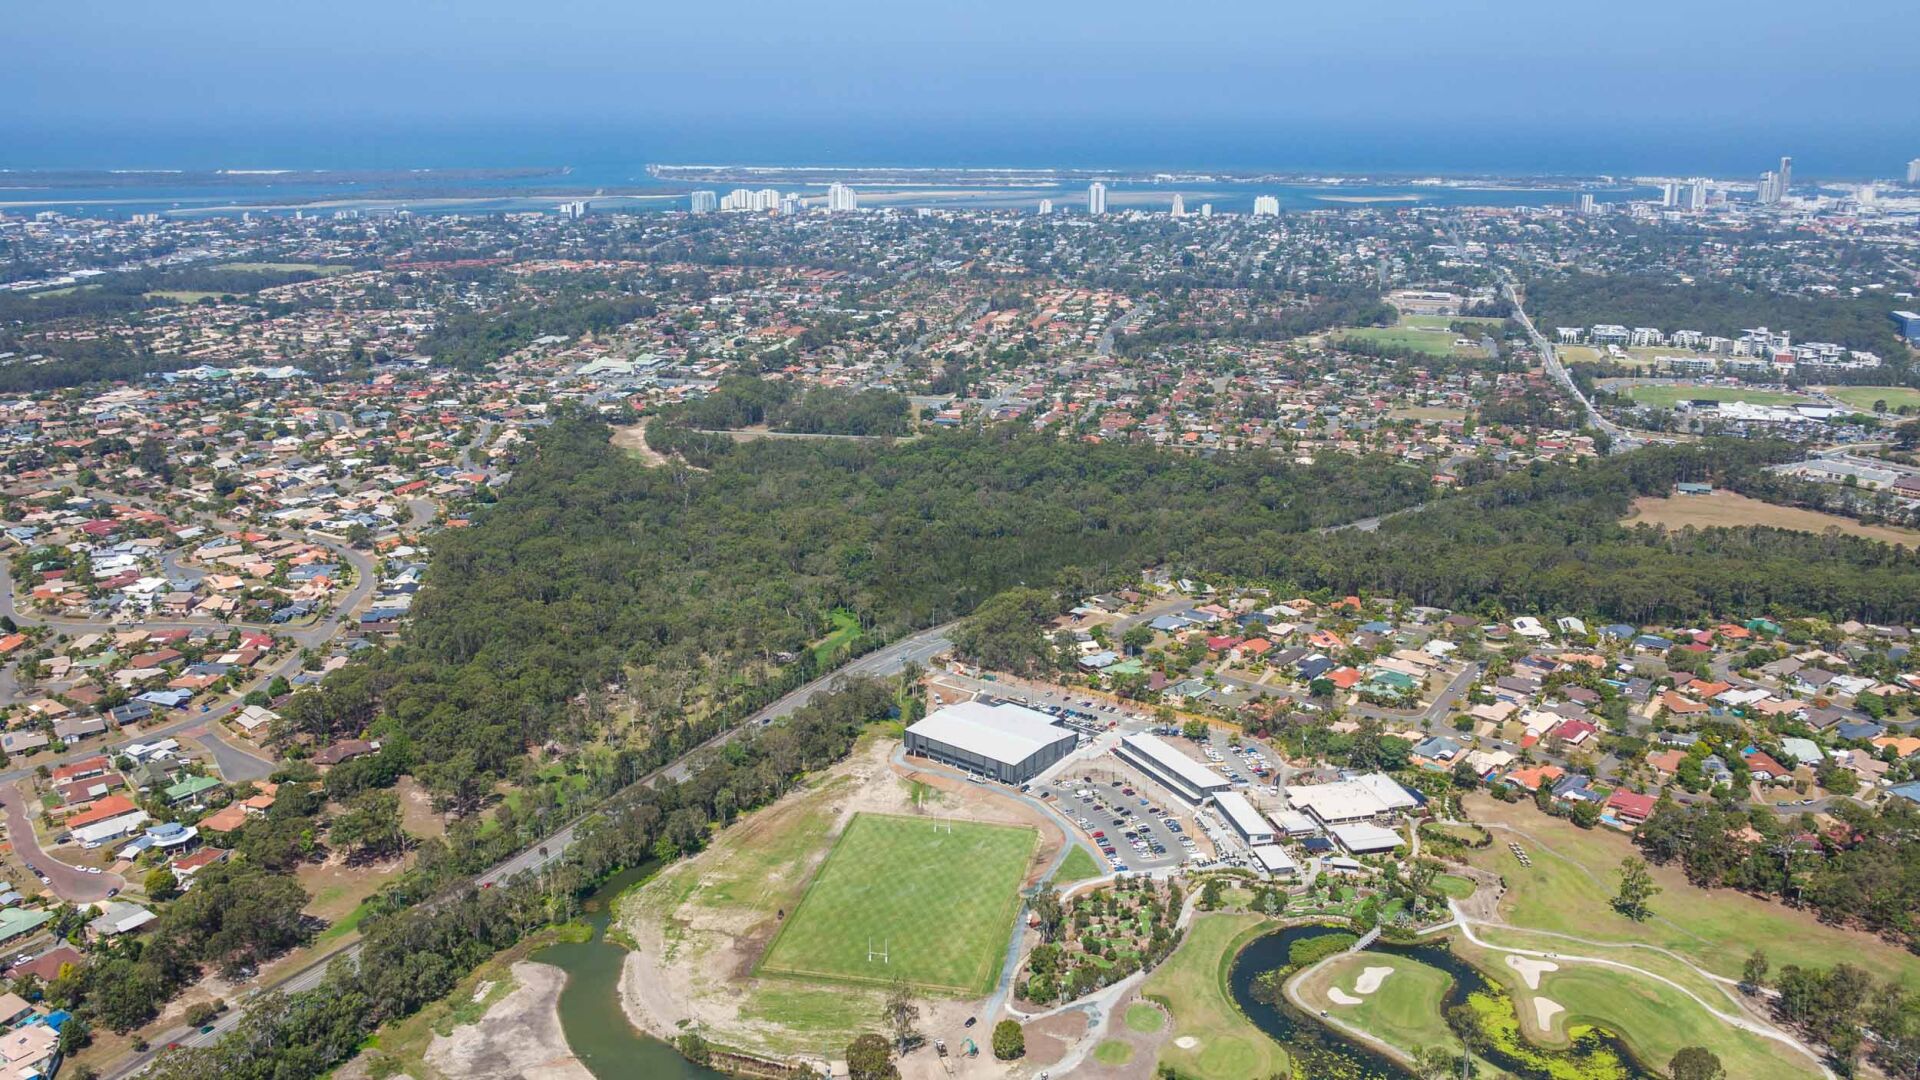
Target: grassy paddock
1570,886
1864,397
1666,396
846,627
941,903
1426,341
1731,509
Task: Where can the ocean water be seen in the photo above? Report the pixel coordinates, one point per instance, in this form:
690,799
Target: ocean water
617,153
613,159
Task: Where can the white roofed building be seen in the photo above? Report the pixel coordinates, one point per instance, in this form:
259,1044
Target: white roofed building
1009,743
1248,822
1170,768
1295,823
1359,798
1275,861
1362,838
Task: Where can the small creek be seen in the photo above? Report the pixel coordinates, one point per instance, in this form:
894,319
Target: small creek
590,1014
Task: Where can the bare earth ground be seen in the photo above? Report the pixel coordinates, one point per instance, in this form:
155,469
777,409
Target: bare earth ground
417,815
1049,1038
635,439
1731,509
336,888
700,928
519,1036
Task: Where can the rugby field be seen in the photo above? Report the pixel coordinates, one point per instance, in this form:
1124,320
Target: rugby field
923,900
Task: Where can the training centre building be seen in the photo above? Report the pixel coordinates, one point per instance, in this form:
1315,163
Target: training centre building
1246,821
1170,768
1367,797
1006,742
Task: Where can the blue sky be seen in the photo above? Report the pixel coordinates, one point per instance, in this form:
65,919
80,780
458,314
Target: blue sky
1154,74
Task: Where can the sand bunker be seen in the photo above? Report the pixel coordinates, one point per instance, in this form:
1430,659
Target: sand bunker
1341,997
1370,979
1544,1011
1186,1042
1531,969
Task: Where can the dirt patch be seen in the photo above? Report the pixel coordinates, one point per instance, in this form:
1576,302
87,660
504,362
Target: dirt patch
634,438
519,1036
1732,510
417,815
336,889
1049,1039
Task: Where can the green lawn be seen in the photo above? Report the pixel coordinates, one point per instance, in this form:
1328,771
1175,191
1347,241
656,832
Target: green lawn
185,296
1864,397
1570,886
1655,1019
1426,341
780,1007
1192,984
1667,396
1404,1010
1454,885
1445,322
1113,1053
940,903
346,925
1144,1018
846,627
1078,866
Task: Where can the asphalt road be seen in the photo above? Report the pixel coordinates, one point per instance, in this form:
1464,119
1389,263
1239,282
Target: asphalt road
235,763
916,649
68,882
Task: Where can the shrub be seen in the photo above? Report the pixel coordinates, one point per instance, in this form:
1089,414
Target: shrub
1009,1040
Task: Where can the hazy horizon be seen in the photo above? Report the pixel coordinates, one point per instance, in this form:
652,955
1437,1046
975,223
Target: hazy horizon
1387,85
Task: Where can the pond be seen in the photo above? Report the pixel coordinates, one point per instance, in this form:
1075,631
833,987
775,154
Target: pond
590,1014
1321,1051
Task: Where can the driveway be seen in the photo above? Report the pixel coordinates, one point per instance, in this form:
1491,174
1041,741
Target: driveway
67,882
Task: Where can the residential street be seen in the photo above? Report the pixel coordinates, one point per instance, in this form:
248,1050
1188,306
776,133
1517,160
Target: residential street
67,882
